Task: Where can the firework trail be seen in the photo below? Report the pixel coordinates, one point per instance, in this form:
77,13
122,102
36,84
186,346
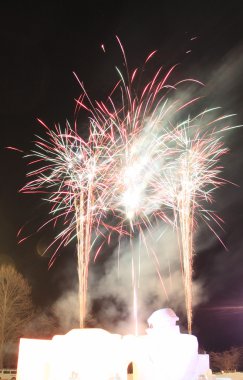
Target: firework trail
71,175
137,164
191,180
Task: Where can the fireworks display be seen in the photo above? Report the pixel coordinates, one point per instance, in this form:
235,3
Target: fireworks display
143,160
71,174
192,177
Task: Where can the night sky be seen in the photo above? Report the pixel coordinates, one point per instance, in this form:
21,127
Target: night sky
41,46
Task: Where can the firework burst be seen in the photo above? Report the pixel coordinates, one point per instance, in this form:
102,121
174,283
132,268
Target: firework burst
71,173
137,164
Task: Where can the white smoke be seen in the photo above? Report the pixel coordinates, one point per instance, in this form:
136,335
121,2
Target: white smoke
155,264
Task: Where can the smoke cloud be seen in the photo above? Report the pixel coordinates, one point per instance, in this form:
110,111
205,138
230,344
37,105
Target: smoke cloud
154,267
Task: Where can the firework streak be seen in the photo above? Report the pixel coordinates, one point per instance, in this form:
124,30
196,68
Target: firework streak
143,160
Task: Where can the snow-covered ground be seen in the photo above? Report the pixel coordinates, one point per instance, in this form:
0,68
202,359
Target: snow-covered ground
232,376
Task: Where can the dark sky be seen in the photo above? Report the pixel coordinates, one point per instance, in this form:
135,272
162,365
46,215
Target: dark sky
41,45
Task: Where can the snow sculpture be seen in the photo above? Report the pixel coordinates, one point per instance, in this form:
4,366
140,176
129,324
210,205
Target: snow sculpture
95,354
